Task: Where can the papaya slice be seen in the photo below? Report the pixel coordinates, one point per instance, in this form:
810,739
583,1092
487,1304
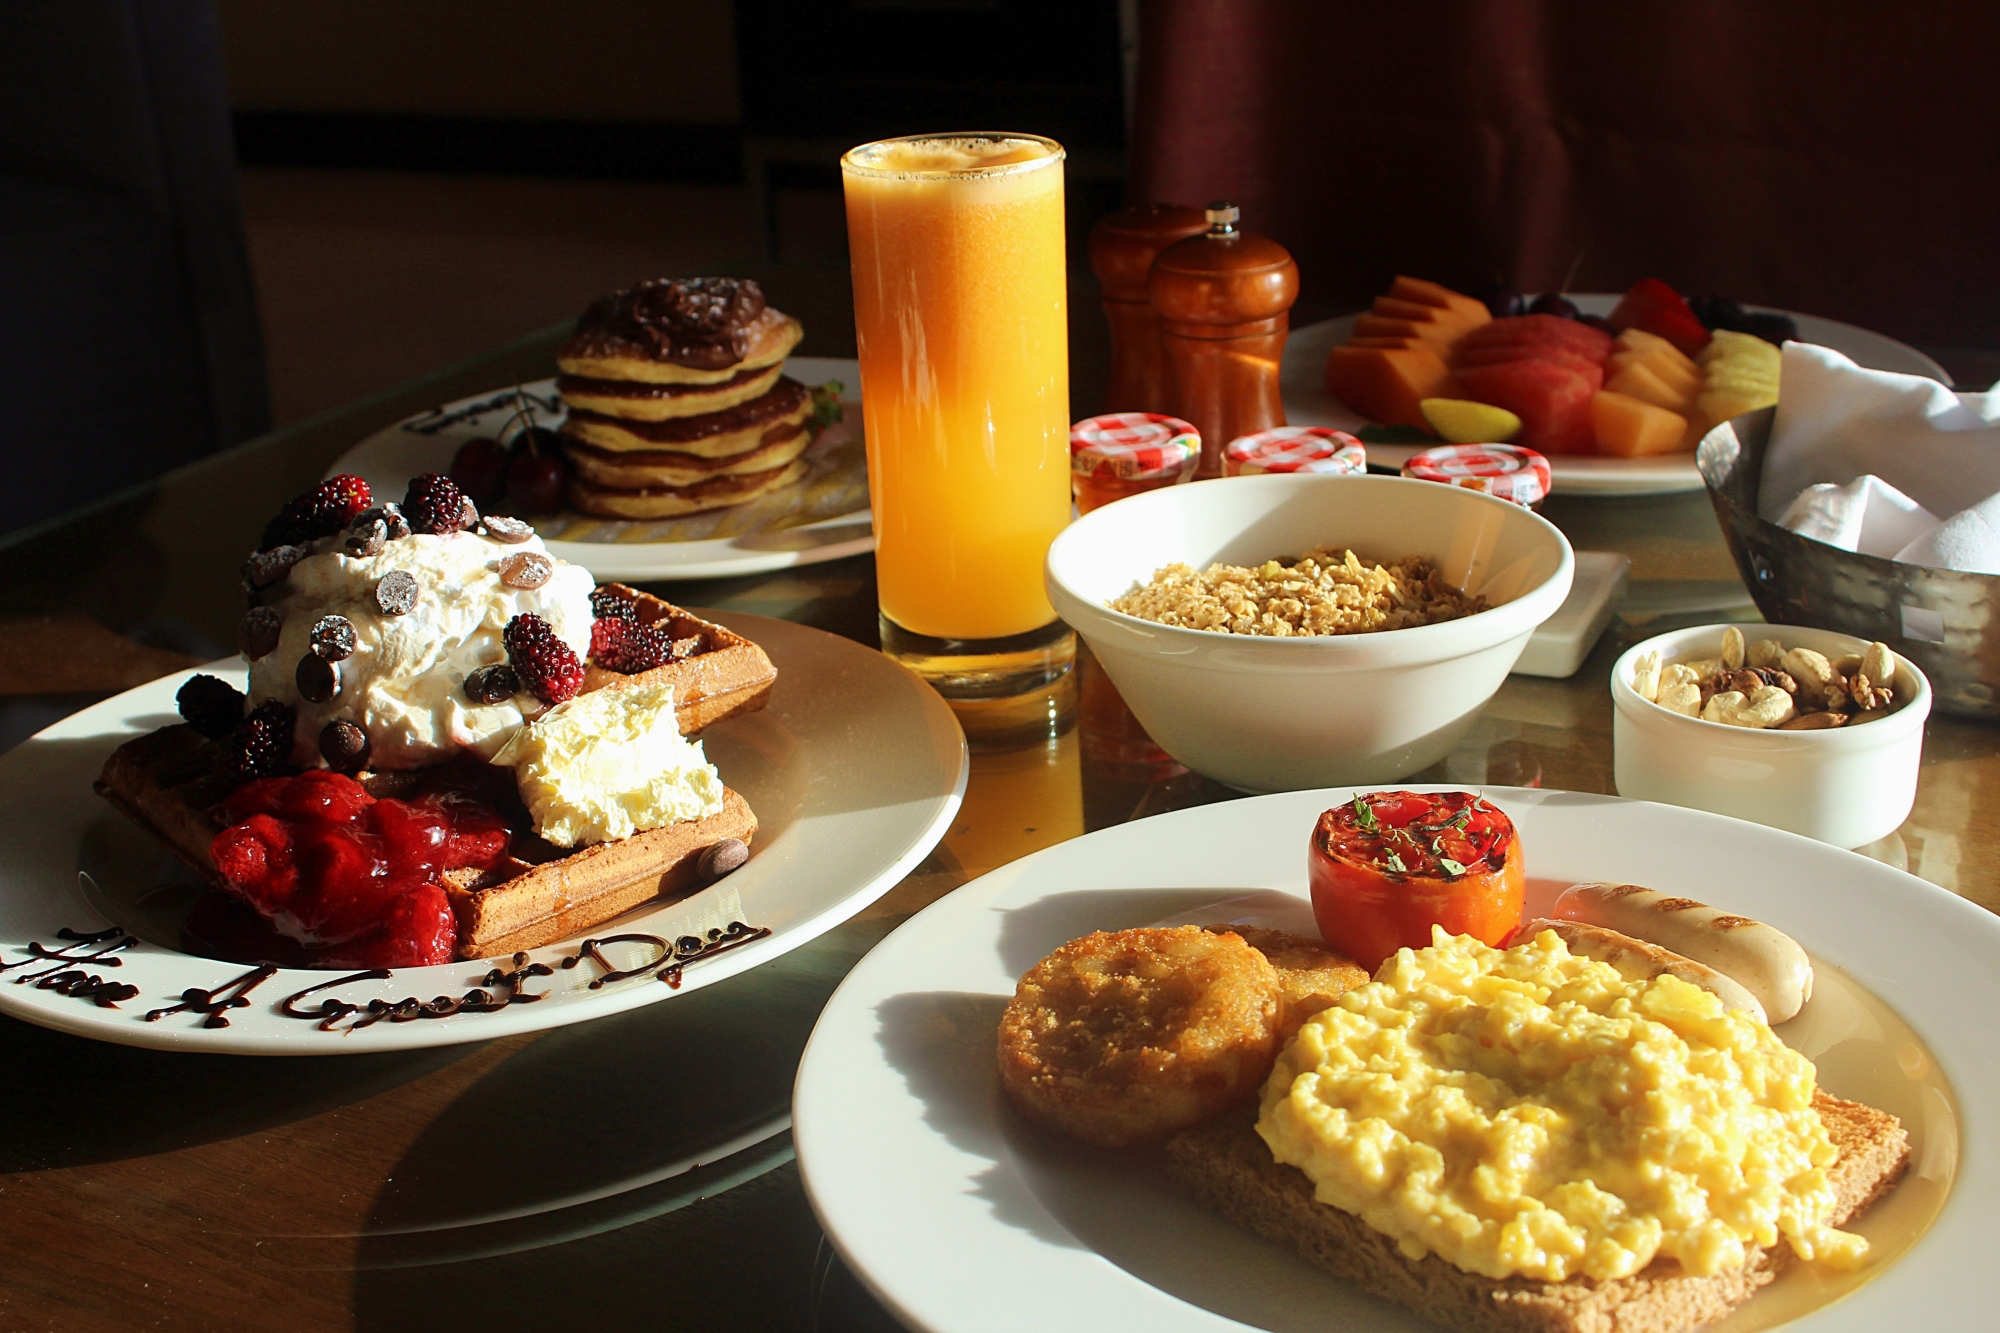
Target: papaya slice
1470,310
1382,326
1388,384
1637,380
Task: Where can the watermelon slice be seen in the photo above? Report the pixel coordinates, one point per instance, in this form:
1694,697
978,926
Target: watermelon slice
1540,331
1552,401
1561,356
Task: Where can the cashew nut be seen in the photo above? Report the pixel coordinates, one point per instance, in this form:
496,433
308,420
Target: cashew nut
1704,667
1765,653
1646,676
1766,706
1678,673
1681,696
1812,672
1732,648
1877,664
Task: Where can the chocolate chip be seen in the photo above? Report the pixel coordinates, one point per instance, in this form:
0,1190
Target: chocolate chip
318,679
333,638
723,857
364,540
265,568
527,570
682,649
396,593
399,527
258,636
492,684
344,746
512,531
471,513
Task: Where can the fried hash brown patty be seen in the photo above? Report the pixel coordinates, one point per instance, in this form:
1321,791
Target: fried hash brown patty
1131,1036
1312,974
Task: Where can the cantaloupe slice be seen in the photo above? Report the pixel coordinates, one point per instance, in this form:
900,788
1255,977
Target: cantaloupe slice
1630,428
1450,325
1638,380
1391,342
1469,309
1386,384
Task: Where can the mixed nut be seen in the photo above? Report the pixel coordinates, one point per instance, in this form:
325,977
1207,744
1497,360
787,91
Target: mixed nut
1766,685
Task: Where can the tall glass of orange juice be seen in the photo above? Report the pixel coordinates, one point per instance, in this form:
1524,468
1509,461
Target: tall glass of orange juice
959,315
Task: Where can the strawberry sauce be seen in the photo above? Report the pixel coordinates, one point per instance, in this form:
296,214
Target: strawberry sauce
339,878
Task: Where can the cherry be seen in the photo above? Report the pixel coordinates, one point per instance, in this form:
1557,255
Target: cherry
537,483
480,469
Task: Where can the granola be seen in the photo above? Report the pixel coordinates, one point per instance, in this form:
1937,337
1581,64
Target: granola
1328,590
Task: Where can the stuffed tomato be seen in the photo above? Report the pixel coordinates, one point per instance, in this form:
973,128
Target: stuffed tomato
1387,866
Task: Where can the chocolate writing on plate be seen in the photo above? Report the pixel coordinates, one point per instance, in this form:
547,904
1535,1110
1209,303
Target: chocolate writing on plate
438,418
672,958
507,984
64,974
213,1005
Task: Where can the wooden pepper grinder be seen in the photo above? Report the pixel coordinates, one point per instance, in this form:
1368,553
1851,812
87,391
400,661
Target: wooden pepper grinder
1122,249
1224,299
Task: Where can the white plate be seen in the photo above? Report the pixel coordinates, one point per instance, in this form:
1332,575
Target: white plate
1307,403
854,769
824,517
958,1217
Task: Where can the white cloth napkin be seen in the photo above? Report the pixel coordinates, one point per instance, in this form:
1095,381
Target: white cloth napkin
1891,465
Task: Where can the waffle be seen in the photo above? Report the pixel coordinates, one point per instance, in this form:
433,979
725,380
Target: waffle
170,780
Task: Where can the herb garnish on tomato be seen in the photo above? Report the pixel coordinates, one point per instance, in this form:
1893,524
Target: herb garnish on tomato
1387,866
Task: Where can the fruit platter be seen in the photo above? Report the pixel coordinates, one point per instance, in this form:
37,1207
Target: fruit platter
1616,389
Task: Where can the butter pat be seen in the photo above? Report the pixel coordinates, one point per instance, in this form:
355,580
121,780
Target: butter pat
608,764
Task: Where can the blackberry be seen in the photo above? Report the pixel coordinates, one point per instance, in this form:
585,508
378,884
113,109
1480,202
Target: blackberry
320,512
210,705
544,663
628,647
606,604
262,744
434,504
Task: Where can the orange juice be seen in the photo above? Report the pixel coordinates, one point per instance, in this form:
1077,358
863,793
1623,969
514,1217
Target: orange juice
959,297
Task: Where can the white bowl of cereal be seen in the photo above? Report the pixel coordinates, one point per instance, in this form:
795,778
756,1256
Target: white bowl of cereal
1759,750
1344,682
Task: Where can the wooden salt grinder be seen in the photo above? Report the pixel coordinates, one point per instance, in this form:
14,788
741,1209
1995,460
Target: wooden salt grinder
1122,249
1224,298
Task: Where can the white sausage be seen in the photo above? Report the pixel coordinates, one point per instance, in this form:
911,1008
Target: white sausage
1766,961
1636,960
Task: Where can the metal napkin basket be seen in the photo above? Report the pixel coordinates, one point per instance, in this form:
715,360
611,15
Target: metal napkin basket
1938,618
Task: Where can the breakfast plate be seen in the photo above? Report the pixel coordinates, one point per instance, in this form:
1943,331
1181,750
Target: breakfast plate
855,769
958,1216
824,517
1307,402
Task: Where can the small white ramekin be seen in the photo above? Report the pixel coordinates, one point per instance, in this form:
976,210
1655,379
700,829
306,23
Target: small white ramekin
1845,785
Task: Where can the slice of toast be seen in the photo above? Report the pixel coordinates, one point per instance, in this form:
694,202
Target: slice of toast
726,675
1227,1169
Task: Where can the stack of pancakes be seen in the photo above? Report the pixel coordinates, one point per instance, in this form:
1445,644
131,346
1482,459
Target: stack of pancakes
675,400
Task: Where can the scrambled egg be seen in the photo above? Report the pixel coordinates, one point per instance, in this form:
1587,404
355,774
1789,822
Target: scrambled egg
608,764
1534,1113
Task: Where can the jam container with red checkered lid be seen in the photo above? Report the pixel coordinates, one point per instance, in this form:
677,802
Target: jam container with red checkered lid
1319,449
1124,453
1505,470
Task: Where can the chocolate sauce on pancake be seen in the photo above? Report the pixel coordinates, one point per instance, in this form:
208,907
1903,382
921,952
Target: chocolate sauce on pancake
700,323
672,458
786,397
575,384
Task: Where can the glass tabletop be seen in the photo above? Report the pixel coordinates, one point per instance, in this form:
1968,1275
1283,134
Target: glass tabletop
577,1171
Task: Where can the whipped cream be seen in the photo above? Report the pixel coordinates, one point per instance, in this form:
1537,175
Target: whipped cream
405,683
611,763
